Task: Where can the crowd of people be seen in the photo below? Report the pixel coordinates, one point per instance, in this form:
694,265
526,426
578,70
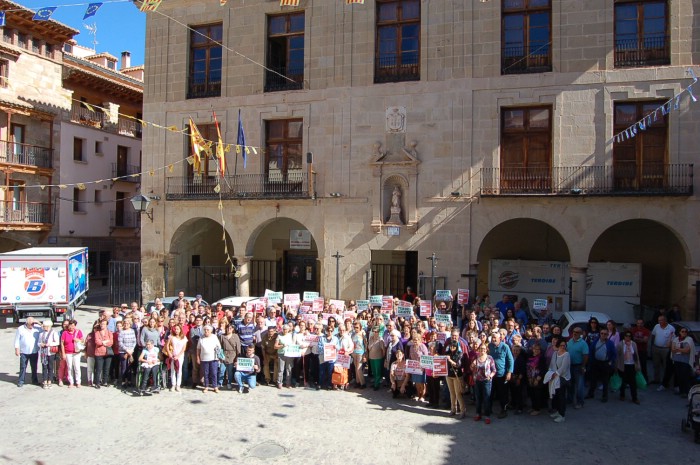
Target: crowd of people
500,355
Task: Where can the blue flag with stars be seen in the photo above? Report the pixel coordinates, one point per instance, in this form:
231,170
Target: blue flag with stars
2,19
44,14
91,10
240,140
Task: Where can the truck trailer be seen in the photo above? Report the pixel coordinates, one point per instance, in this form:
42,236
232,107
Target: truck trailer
47,283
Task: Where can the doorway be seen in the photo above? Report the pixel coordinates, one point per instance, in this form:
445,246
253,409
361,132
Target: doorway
393,271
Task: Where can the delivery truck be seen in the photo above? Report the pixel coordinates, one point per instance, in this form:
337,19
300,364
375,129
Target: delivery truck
47,283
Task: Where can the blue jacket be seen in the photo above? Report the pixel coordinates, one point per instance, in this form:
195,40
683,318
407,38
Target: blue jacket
503,358
609,348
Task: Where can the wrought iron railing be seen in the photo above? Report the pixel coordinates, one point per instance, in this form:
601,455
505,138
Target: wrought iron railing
197,89
517,60
124,219
284,78
25,154
12,212
633,179
293,185
119,171
83,115
129,127
651,50
388,68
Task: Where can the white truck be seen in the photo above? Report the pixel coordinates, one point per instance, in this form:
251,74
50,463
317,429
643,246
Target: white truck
47,283
531,279
611,288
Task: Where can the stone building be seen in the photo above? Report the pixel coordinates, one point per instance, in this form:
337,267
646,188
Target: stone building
391,130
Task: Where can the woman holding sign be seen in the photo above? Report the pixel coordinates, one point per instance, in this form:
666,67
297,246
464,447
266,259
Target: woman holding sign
377,351
484,369
417,349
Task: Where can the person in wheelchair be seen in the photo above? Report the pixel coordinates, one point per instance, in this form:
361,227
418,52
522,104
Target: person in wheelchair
149,366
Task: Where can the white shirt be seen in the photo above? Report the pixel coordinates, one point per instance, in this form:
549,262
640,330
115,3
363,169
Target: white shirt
27,339
663,336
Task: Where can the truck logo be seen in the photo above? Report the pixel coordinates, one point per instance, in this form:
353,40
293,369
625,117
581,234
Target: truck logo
34,283
508,279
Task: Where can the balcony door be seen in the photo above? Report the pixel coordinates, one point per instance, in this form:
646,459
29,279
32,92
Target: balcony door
639,163
122,155
17,134
283,162
526,150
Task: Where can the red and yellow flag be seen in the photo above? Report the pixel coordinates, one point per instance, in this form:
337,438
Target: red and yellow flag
198,145
220,153
289,2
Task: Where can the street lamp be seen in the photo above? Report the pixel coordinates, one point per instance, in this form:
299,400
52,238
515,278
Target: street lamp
337,257
141,203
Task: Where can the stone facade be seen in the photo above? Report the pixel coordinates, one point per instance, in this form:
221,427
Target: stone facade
450,135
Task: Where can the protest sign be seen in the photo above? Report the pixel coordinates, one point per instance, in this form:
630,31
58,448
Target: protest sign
310,296
311,338
387,304
292,300
317,305
426,308
349,316
330,352
426,361
539,304
413,367
292,351
443,295
375,300
443,318
362,304
343,360
337,304
245,364
462,296
405,312
273,297
439,366
441,337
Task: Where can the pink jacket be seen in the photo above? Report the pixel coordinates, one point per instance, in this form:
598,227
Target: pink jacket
102,342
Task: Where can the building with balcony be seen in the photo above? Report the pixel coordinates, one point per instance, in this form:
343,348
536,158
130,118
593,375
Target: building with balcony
390,131
100,140
31,100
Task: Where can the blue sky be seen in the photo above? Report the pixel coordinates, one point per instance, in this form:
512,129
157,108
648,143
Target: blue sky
120,25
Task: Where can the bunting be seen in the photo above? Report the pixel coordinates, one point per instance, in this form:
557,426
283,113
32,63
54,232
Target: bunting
91,10
350,2
150,5
44,14
289,2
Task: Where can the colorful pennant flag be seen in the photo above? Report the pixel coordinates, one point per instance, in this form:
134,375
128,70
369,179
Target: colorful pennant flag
350,2
289,2
240,140
44,14
220,147
150,5
2,19
222,2
91,10
197,142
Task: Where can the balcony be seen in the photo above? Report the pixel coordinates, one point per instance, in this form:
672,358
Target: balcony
124,220
644,51
293,185
24,213
650,179
25,154
203,89
516,60
387,69
94,119
129,127
294,79
121,171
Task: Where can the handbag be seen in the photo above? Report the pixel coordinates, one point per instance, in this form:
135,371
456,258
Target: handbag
615,382
220,355
53,349
639,379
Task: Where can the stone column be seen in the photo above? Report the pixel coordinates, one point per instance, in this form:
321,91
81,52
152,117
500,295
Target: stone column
578,287
689,311
244,274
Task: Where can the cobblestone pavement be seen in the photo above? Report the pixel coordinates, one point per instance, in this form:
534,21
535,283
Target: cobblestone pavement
88,426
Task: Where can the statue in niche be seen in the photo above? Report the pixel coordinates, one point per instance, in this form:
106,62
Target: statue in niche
395,208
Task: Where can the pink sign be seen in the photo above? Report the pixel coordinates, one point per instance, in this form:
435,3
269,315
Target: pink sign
426,308
439,366
317,305
413,367
330,352
462,296
387,303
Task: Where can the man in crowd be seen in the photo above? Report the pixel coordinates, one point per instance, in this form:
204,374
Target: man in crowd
503,358
603,364
27,349
661,337
640,335
578,352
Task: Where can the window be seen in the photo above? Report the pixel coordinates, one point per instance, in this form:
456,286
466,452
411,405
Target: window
285,52
48,50
98,148
397,56
283,140
68,48
78,200
122,159
641,33
4,70
205,61
527,36
22,40
111,64
17,195
36,46
78,152
640,162
7,36
526,149
98,196
209,165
